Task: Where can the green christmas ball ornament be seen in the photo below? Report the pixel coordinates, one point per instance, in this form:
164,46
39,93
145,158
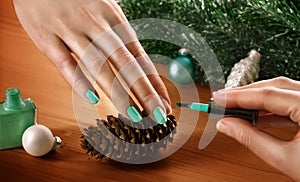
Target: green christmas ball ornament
181,69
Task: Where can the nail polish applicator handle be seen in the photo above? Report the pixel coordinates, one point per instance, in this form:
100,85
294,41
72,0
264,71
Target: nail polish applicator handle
248,114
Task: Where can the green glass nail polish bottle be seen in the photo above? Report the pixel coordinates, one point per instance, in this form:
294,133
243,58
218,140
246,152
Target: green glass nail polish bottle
16,115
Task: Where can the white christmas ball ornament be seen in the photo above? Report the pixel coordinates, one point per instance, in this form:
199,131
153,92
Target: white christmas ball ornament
38,140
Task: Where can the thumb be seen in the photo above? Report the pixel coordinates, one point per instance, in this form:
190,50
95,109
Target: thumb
268,148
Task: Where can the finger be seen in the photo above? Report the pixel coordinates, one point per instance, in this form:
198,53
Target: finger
279,82
270,120
95,63
64,61
132,73
122,59
142,88
268,148
278,101
128,37
96,68
152,75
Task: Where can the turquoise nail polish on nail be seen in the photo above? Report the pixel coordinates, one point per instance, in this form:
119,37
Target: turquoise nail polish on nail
159,116
92,97
134,114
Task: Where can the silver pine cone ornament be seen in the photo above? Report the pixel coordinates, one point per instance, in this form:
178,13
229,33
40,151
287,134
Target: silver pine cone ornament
245,71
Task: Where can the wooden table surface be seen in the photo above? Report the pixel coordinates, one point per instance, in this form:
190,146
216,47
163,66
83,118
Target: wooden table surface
23,66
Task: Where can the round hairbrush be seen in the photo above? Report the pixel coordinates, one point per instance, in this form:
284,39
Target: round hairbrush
139,140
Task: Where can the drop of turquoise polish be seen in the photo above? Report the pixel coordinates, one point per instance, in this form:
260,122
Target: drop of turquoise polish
181,69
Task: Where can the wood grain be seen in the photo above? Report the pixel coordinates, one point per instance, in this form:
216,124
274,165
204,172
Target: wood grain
23,66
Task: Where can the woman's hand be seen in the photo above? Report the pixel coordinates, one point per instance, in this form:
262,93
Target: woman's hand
280,97
98,33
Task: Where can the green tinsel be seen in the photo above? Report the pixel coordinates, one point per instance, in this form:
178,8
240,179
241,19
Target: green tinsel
231,28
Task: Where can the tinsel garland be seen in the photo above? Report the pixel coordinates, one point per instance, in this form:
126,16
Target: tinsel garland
231,28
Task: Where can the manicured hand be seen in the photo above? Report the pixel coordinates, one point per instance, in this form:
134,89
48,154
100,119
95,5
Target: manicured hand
96,36
280,97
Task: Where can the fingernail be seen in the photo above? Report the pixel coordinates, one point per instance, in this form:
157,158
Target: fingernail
218,125
218,92
159,115
219,95
92,96
134,114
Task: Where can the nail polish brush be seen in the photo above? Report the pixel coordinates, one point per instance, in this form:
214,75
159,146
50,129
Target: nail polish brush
247,114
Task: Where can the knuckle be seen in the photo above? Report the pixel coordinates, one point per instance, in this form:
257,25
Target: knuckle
137,53
83,10
295,112
94,64
281,80
147,98
77,82
44,42
123,58
62,21
267,91
62,62
267,94
244,139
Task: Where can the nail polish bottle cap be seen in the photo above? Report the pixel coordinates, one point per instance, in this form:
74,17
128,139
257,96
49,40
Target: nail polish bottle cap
13,100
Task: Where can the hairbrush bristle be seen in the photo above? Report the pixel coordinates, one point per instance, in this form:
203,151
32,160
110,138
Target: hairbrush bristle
97,138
